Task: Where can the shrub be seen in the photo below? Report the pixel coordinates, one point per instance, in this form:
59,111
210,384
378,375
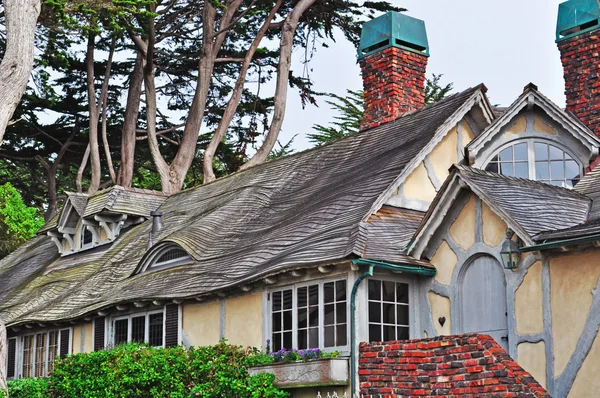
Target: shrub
133,370
27,388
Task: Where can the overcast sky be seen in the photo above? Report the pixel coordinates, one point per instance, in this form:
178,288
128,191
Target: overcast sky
503,44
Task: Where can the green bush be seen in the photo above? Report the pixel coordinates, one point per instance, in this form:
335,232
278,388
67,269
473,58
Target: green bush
27,388
140,371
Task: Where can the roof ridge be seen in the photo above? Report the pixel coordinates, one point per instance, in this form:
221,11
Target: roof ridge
335,142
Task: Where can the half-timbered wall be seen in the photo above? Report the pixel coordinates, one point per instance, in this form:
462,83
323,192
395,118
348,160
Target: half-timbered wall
553,310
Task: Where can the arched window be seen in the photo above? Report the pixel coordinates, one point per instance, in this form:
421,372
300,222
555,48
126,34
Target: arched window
167,255
537,160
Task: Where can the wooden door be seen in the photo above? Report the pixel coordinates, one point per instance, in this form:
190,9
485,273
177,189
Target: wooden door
483,300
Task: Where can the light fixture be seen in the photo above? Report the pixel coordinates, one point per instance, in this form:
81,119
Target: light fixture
510,253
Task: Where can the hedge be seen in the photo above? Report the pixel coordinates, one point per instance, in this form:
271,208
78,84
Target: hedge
140,371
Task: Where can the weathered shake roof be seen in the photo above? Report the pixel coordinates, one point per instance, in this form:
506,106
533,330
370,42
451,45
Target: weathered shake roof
139,202
298,211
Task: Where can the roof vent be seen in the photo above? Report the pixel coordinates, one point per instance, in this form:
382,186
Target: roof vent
393,30
576,17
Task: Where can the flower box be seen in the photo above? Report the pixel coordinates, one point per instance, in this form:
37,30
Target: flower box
313,373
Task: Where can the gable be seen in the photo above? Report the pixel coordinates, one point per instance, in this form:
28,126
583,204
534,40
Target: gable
534,117
527,207
417,187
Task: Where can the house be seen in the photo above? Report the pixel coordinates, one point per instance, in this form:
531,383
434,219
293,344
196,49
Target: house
441,220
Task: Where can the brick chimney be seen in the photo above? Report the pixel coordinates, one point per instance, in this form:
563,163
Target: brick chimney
578,39
393,56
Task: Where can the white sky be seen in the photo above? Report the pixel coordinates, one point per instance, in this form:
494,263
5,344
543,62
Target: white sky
503,44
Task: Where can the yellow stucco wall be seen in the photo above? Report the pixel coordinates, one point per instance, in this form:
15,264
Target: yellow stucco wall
587,382
440,307
541,126
201,323
102,234
494,228
445,155
532,358
88,342
519,125
463,228
572,279
243,320
444,261
529,302
418,185
467,133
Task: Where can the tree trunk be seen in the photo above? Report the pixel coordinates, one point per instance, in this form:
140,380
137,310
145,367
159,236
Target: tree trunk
84,160
130,124
234,101
21,19
3,353
104,105
285,62
94,116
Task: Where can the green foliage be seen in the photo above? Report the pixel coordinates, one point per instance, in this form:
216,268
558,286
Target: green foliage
350,111
139,371
347,122
27,388
434,91
18,222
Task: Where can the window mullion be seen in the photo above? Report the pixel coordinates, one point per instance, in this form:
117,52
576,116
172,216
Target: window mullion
294,317
531,159
321,307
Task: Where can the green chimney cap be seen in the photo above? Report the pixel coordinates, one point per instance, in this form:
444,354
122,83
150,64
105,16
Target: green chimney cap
393,29
576,17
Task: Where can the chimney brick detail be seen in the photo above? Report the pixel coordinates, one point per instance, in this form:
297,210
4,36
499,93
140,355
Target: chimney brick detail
448,366
394,84
581,62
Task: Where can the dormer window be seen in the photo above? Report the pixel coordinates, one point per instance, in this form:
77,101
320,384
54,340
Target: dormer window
167,255
537,160
87,237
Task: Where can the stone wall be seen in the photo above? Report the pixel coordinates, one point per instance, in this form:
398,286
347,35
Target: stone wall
465,365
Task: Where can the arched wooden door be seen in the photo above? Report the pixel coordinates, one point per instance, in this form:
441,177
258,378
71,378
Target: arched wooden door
483,300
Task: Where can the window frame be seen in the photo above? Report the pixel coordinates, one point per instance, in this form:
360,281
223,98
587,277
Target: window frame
150,264
531,160
19,358
82,244
411,308
294,287
146,314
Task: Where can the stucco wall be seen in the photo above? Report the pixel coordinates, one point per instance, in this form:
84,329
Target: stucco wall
519,125
243,320
418,185
541,126
462,230
444,155
587,383
572,279
444,261
440,310
494,228
201,323
532,357
528,302
82,333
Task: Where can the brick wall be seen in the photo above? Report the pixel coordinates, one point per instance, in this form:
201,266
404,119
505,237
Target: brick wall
581,63
394,84
464,365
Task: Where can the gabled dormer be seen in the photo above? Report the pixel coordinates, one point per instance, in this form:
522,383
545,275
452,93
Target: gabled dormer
87,222
535,139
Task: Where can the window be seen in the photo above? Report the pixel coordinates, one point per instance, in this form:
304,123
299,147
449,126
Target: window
38,352
388,311
166,256
313,315
145,327
537,160
87,238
